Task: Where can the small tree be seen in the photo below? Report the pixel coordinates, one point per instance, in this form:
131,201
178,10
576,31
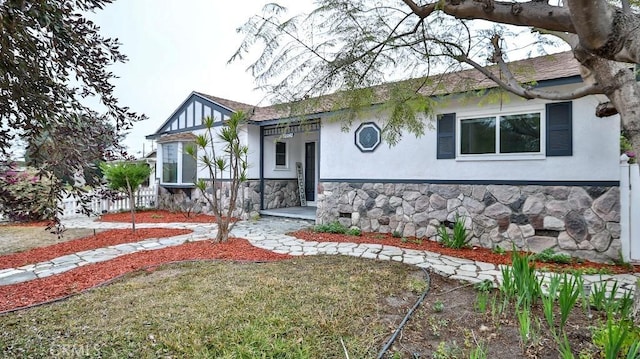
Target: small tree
126,177
232,160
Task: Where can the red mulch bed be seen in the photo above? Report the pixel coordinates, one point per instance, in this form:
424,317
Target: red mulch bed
473,253
158,216
101,239
59,286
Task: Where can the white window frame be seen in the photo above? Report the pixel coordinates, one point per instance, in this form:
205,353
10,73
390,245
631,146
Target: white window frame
501,156
179,181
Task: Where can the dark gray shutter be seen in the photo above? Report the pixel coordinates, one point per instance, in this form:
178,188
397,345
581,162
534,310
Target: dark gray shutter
446,128
559,129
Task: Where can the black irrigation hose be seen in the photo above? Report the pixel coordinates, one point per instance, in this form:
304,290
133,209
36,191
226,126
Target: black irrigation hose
398,330
118,277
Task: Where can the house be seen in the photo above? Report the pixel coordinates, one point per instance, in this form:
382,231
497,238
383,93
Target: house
535,173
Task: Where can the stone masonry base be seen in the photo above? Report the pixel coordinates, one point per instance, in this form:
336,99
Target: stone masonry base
582,221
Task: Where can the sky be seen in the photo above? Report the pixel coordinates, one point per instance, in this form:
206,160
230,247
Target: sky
176,47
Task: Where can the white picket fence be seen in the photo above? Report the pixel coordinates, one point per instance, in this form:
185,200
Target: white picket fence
146,197
629,209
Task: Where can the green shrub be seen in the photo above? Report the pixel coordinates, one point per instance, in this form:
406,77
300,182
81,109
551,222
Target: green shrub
333,227
354,231
550,256
498,250
616,338
26,195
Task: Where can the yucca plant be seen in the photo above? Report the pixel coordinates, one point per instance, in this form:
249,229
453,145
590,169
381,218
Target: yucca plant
229,159
459,238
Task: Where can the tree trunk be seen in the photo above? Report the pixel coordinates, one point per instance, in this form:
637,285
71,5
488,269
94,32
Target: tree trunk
223,230
132,205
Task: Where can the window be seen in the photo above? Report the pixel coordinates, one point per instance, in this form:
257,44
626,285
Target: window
519,133
178,167
525,134
281,154
189,169
368,137
170,163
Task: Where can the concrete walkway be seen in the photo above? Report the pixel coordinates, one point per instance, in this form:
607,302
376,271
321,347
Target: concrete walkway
269,233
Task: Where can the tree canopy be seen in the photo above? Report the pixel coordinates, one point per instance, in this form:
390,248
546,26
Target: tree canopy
126,177
351,45
57,94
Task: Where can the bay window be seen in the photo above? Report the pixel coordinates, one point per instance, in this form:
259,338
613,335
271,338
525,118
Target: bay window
178,167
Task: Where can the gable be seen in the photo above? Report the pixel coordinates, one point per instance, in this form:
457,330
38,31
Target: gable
189,115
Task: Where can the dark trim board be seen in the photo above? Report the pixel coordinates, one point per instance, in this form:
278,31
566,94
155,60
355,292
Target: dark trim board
479,182
280,179
177,185
224,111
227,179
182,130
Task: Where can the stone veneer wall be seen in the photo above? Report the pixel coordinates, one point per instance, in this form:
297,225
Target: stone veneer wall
281,193
179,200
278,194
580,221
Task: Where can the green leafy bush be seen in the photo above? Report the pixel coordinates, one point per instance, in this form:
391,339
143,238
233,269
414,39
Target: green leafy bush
338,228
333,227
354,231
25,195
550,256
616,338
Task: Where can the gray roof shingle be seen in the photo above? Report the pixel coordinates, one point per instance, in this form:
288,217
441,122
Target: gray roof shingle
548,67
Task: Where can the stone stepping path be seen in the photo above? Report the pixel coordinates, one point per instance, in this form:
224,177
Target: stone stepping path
269,233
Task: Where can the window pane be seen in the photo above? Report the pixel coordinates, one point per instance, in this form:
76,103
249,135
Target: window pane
188,165
281,154
170,163
478,135
520,133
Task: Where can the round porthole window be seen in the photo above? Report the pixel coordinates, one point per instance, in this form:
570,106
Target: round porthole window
368,137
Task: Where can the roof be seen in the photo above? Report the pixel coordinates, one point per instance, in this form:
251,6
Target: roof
177,137
230,104
537,69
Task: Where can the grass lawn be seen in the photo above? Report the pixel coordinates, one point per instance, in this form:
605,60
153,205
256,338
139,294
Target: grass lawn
298,308
21,238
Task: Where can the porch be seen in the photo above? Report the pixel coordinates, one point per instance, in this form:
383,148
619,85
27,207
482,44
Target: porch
307,213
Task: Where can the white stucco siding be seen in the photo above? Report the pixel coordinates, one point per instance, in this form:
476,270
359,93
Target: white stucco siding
295,153
252,139
203,171
595,151
159,162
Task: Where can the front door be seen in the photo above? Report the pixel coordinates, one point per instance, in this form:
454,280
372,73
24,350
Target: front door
310,171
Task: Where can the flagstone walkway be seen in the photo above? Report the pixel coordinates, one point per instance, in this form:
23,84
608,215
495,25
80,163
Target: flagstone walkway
270,233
